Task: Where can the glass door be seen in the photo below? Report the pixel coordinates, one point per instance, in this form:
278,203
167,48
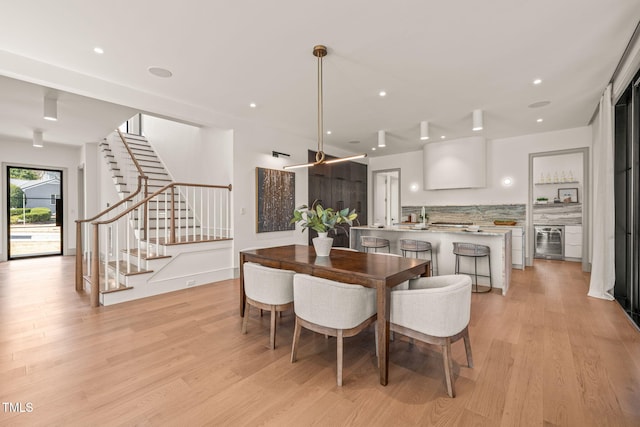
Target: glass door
35,216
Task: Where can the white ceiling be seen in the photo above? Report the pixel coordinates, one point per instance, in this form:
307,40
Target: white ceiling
437,61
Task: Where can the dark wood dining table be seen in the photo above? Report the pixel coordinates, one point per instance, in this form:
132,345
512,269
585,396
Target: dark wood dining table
367,269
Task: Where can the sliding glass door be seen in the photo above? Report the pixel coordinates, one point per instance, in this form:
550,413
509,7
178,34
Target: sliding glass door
35,212
627,200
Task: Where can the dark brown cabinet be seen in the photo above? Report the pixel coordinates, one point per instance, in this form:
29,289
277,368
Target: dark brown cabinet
338,186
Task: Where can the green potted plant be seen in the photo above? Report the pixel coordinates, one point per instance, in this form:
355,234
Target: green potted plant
542,200
322,220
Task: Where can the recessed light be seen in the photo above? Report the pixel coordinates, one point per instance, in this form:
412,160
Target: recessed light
373,148
253,105
328,132
441,136
382,93
539,120
98,50
539,104
160,72
537,81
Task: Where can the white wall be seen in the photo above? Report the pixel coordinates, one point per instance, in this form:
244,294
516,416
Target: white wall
508,157
252,148
222,156
54,156
178,146
555,167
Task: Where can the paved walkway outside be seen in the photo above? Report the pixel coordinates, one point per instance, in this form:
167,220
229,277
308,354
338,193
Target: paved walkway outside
34,239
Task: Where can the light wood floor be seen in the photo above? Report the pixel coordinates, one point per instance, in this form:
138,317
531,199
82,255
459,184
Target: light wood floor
545,355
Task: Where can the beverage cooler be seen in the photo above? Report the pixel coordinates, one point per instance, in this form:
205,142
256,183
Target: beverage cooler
549,241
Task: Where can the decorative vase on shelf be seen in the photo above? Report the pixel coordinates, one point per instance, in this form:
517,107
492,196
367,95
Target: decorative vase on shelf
322,244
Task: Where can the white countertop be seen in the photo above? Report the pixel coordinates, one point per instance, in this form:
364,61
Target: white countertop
484,231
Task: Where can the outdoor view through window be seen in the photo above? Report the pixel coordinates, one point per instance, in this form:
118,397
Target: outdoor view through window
35,212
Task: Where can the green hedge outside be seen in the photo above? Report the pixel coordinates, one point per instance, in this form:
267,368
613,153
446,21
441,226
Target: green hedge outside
32,215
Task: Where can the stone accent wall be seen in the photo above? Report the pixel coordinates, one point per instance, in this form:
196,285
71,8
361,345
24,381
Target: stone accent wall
557,214
476,214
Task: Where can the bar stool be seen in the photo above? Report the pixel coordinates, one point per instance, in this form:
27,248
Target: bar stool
417,246
371,242
475,251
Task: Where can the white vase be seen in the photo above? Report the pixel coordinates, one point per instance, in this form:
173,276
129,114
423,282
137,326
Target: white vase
322,244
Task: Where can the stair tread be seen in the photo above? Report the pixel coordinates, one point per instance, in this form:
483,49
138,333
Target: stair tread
143,254
118,289
133,269
121,287
182,240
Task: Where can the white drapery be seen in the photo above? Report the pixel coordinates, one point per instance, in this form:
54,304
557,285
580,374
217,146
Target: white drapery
603,260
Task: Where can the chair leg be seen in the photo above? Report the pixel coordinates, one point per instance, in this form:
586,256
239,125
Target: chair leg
475,270
245,319
296,339
272,332
339,351
467,347
448,367
489,261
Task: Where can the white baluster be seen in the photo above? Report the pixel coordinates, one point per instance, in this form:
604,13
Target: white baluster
208,213
106,257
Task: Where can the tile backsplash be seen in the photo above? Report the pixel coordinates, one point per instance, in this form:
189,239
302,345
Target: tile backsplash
477,214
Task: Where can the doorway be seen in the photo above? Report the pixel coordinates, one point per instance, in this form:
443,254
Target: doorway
35,212
559,200
386,197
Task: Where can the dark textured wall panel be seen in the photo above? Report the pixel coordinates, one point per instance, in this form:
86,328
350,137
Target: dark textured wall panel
276,191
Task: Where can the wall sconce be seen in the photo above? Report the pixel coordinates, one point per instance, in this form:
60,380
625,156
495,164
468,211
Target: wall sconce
507,181
277,154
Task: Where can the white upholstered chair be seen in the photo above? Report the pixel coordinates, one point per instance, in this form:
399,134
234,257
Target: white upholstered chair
331,308
267,289
435,310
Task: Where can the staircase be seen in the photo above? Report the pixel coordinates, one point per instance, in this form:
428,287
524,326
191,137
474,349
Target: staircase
160,237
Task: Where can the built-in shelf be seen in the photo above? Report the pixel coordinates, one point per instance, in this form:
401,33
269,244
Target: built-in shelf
557,183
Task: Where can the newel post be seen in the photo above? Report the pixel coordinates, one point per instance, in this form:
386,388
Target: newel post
95,268
79,253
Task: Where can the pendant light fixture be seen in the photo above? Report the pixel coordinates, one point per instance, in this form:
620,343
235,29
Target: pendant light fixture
382,139
320,52
37,139
424,130
50,108
477,120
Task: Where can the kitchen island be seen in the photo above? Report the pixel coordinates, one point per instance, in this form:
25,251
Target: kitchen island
441,239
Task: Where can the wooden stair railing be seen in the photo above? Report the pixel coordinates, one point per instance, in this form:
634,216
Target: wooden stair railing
79,222
204,209
142,188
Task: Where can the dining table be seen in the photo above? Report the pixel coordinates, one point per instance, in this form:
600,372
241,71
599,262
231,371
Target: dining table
367,269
